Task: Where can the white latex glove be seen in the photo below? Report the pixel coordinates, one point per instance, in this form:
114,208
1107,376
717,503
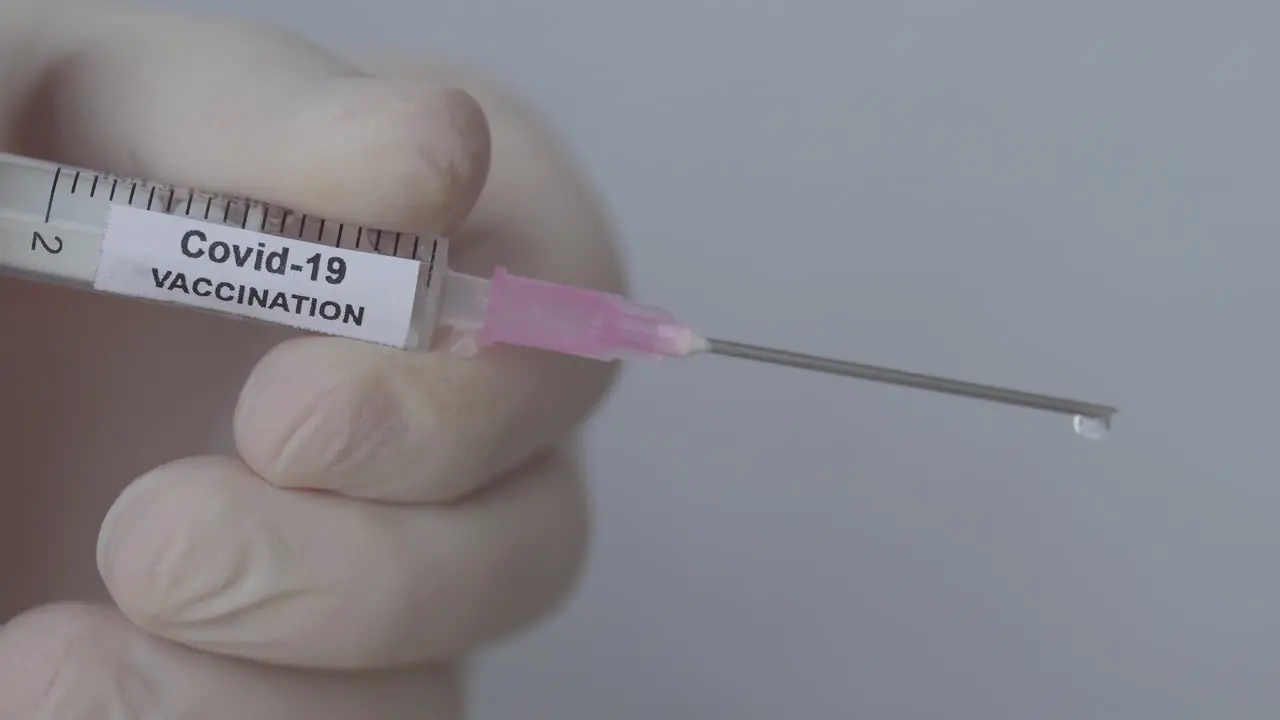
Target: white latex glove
223,587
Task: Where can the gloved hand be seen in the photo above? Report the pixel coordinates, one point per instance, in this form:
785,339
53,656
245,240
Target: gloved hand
450,512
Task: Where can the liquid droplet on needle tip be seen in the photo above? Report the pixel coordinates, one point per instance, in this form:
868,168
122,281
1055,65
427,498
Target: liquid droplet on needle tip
1091,428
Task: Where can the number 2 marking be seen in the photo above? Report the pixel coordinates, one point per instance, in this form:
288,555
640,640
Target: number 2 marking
38,242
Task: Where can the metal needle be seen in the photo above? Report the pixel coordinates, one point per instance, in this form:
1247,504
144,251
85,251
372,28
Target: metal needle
913,380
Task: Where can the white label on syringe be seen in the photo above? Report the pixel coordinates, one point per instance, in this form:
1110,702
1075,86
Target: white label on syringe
320,288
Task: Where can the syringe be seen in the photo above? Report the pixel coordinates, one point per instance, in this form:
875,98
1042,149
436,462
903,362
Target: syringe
250,259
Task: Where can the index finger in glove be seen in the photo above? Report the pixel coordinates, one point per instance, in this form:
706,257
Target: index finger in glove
236,108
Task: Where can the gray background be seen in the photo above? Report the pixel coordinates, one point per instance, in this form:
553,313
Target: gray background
1074,197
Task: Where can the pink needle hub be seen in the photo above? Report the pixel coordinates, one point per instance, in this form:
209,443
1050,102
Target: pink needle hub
565,319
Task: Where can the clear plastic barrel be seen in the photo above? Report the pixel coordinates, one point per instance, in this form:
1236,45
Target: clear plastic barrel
53,219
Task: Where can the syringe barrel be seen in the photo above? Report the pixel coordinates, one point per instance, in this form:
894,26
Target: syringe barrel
248,259
55,222
34,243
